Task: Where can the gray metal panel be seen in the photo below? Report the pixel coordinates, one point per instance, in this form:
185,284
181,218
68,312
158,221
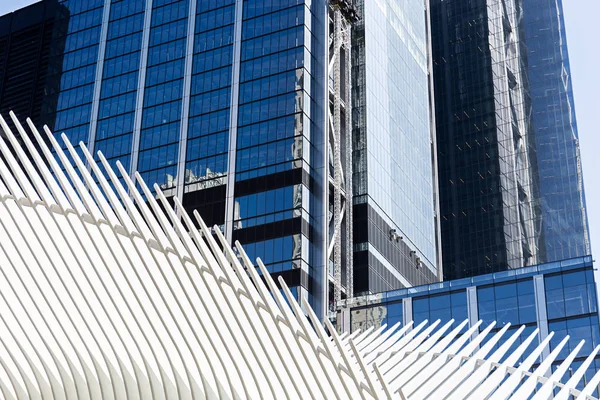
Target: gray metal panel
233,122
472,311
139,101
185,102
540,311
407,314
319,158
98,79
432,122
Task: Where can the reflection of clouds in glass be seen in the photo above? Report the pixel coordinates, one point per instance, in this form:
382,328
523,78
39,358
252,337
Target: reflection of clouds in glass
367,317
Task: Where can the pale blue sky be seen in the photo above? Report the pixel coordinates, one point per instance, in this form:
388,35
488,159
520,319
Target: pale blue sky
581,18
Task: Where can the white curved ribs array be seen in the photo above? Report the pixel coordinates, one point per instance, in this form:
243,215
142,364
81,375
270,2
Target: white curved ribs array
103,299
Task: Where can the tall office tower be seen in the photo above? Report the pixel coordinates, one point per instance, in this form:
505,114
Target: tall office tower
510,179
564,226
220,102
394,207
26,62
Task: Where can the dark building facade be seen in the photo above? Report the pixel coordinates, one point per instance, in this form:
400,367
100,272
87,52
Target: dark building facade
511,191
30,59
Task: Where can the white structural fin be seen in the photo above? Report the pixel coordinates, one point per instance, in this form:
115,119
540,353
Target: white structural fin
108,292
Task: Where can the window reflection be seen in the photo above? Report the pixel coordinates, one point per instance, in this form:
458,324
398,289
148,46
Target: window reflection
512,303
570,294
441,306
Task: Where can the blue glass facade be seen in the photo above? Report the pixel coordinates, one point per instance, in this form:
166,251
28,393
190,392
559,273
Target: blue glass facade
163,93
119,86
220,102
559,297
564,225
79,67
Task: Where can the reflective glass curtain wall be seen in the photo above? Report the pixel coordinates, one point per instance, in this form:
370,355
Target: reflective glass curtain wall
511,186
163,92
221,102
487,171
120,75
274,177
393,174
78,75
210,102
564,226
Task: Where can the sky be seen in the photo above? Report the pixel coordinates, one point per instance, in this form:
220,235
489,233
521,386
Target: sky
581,17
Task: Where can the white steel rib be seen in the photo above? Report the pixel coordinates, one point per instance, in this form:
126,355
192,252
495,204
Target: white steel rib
107,292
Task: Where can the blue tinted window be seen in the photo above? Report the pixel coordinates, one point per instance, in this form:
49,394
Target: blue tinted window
120,9
271,86
168,32
570,294
161,114
512,303
123,45
213,59
166,52
119,85
269,131
275,252
273,22
273,43
152,137
170,13
441,306
80,58
582,328
211,80
125,26
82,39
211,101
209,123
253,8
213,39
121,65
114,126
216,18
165,72
163,93
158,157
117,105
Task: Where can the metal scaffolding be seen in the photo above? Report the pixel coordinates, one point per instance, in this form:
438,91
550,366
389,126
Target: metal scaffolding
342,15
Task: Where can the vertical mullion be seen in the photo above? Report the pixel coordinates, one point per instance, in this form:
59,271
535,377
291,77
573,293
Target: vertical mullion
233,122
139,101
185,105
98,80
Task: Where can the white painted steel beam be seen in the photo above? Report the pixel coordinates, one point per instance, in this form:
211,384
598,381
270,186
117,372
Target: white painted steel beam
105,295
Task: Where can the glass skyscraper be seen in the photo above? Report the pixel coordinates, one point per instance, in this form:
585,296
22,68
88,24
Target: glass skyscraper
564,227
511,190
394,205
220,102
243,109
